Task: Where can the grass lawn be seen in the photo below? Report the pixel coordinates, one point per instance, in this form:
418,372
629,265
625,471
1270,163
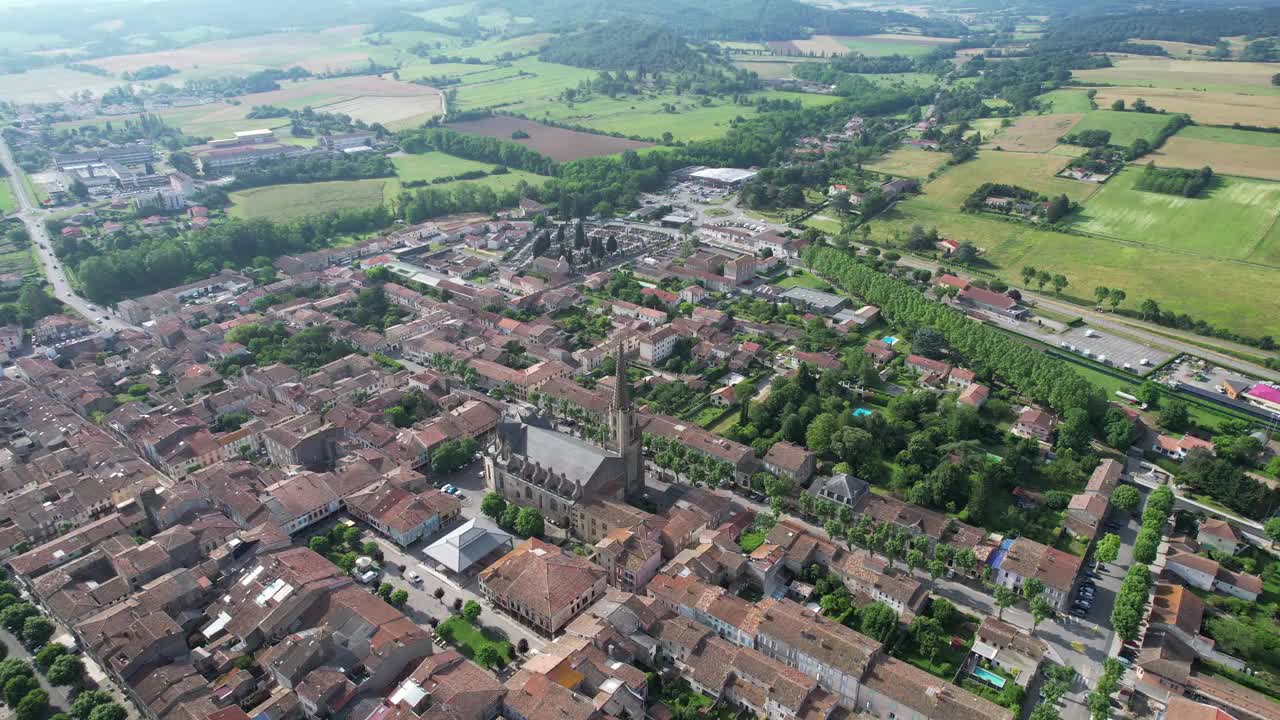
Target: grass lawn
1071,544
725,424
288,202
804,279
1066,101
468,639
1034,171
752,539
1125,127
17,261
1235,219
499,183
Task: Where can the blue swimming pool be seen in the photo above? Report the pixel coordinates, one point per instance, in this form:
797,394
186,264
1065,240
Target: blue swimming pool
862,412
889,339
990,677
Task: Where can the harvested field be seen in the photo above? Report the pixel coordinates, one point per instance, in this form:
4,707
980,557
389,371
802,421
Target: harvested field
894,44
556,143
1036,133
1206,76
390,110
1218,108
1224,158
771,69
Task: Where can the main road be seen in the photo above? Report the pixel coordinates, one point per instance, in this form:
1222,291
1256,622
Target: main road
33,217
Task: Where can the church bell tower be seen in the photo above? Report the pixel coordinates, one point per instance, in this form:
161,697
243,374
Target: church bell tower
625,435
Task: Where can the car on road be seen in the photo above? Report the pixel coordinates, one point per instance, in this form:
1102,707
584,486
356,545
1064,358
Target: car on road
413,577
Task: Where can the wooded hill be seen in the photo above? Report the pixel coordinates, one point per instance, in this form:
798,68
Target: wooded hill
624,45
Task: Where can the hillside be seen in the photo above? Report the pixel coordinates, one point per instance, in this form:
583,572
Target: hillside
623,45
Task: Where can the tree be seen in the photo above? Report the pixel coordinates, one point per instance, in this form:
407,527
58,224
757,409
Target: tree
399,598
928,634
928,342
17,687
1126,498
457,604
509,516
1059,283
48,654
1272,528
1174,416
1043,278
1107,549
438,593
66,671
818,437
1058,209
937,569
1004,598
1032,588
488,656
85,702
1041,610
36,630
1117,297
522,647
744,391
320,544
14,616
1118,105
385,590
471,611
1029,273
1101,293
529,522
110,711
33,706
878,621
966,253
493,505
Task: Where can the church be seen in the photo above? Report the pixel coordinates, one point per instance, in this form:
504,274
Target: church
576,484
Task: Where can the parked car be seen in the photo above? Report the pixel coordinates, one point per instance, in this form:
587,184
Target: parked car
367,576
449,489
413,577
1077,612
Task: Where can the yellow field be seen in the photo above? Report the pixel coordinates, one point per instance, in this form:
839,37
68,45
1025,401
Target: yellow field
1216,108
1036,133
1224,158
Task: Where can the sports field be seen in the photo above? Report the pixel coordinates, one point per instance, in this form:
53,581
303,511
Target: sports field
1125,127
1035,133
1066,101
1243,159
1234,220
1202,75
1214,107
910,162
1029,170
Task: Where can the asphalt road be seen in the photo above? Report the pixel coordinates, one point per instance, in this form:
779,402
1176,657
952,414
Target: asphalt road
33,217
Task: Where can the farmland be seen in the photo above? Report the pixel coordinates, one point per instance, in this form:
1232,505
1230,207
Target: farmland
1217,107
1125,127
1177,49
1036,133
1202,75
7,202
894,44
556,143
430,166
288,202
499,183
909,162
1231,221
1230,135
1244,159
1066,101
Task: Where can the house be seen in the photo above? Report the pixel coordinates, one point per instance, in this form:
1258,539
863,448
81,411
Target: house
993,302
839,488
934,371
947,246
1207,574
816,301
1034,423
1220,536
974,396
724,397
1177,448
1009,649
630,560
447,685
961,378
693,294
1025,558
880,352
53,329
895,689
786,459
404,516
1265,396
658,345
542,585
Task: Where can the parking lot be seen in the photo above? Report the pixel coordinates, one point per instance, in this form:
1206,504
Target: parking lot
1199,373
1109,349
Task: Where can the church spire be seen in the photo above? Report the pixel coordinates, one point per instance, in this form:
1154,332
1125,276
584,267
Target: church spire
621,397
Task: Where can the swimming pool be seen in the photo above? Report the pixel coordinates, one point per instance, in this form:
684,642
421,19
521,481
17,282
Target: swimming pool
889,339
862,412
990,677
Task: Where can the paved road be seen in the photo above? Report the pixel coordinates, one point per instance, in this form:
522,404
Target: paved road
33,217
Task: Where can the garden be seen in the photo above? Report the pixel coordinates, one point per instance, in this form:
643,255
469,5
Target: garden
473,640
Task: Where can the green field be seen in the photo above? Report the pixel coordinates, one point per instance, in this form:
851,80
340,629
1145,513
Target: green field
1231,135
288,202
1235,220
1174,279
432,165
469,639
499,183
1125,127
1034,171
8,203
1248,78
873,46
910,162
1066,101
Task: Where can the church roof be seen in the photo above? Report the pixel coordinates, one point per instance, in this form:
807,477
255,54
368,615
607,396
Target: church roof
578,460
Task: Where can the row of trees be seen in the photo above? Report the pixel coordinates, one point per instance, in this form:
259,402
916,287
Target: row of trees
314,168
1154,518
1174,181
523,521
1031,372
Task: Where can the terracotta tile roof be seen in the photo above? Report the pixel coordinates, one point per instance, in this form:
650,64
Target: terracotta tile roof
1219,529
928,695
541,576
1174,604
